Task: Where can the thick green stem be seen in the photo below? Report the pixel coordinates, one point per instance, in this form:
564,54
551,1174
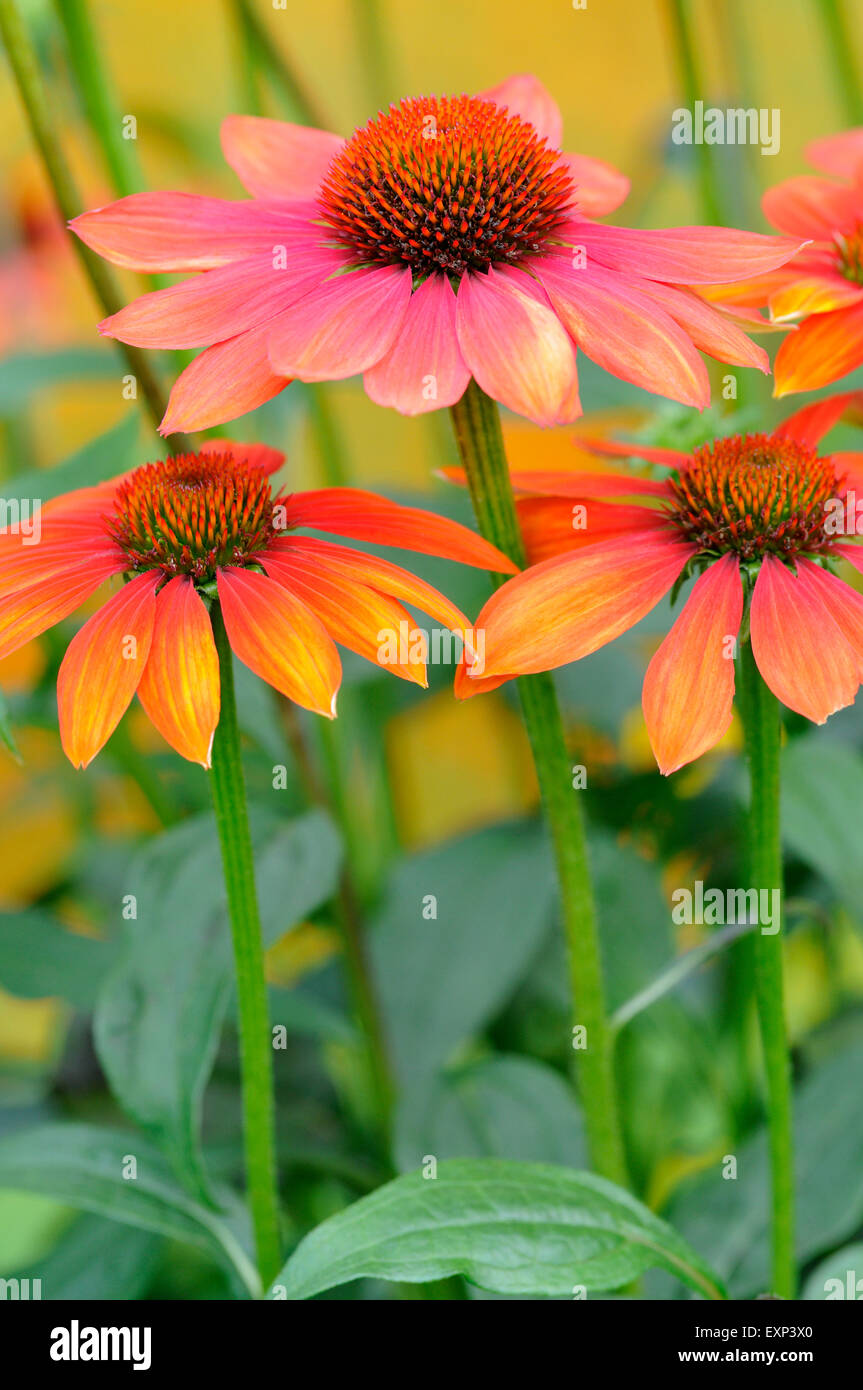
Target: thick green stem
693,90
44,127
762,732
256,1052
480,441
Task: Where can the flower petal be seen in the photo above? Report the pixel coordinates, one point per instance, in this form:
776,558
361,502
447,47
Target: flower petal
102,668
183,232
225,381
627,334
516,347
689,685
179,686
280,639
353,614
683,255
843,603
811,207
565,608
813,294
711,331
221,303
32,608
809,425
599,187
424,369
343,327
801,652
275,159
554,525
524,95
838,154
823,349
364,516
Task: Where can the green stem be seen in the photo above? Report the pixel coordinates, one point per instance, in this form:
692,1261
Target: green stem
762,734
840,43
256,1055
119,154
284,76
480,441
44,128
693,90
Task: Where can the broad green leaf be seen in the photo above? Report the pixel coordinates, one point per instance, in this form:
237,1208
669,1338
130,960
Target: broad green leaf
97,1260
513,1228
103,458
729,1217
441,977
840,1276
821,820
160,1012
504,1107
40,958
83,1165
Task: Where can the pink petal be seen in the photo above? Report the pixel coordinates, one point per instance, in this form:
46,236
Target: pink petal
275,159
802,654
524,95
599,187
182,231
223,382
342,328
623,332
683,255
516,347
838,154
221,303
424,369
811,207
689,685
713,332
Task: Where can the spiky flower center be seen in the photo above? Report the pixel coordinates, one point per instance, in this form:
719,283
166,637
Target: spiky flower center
193,514
453,183
850,249
754,494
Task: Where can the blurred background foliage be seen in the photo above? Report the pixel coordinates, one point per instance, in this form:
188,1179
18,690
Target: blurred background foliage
416,794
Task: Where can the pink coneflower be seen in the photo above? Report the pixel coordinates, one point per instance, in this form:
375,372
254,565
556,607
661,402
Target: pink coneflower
447,239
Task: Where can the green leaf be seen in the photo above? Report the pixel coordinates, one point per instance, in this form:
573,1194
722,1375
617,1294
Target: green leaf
844,1266
40,958
441,978
821,821
729,1217
159,1015
513,1228
83,1166
503,1107
111,453
97,1260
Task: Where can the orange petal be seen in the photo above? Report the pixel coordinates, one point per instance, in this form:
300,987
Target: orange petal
689,685
102,667
358,617
32,609
553,525
801,652
280,639
364,516
821,350
809,206
565,608
179,687
844,604
813,294
809,425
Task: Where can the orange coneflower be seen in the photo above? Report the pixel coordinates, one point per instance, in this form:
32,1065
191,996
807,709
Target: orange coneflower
207,527
450,238
755,517
820,289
